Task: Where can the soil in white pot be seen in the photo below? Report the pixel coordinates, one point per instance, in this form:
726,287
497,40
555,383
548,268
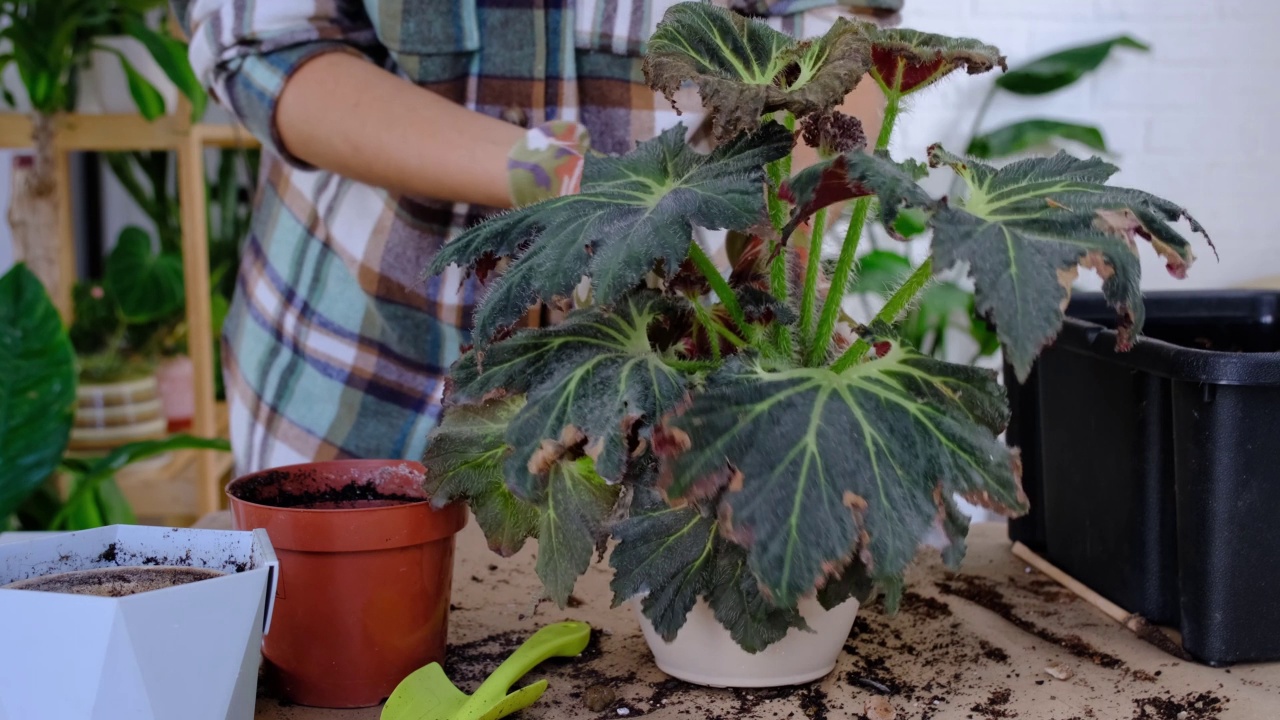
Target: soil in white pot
115,581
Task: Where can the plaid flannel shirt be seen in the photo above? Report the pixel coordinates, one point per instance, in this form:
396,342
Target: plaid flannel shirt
335,346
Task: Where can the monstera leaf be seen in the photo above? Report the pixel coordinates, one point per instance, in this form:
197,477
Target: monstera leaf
589,381
745,69
818,467
904,61
1024,229
633,211
464,461
147,286
38,393
673,556
464,458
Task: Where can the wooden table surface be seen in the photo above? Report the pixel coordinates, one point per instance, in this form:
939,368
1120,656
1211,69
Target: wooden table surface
979,644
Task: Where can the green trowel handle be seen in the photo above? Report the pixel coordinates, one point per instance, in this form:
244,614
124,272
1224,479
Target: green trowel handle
563,639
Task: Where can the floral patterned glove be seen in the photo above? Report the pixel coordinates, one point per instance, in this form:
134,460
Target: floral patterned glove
547,163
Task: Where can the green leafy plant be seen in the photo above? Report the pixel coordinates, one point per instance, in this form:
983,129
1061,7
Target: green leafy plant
1043,76
134,315
50,42
735,444
37,404
945,305
147,178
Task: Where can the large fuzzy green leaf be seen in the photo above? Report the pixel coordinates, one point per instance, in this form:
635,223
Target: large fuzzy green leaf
1024,228
1060,69
819,467
38,393
904,61
673,556
147,286
590,380
572,525
745,69
464,459
634,211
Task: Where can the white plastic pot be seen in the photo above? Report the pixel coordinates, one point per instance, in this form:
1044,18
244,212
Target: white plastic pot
190,651
704,653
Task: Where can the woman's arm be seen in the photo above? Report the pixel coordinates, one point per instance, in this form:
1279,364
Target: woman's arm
342,113
297,73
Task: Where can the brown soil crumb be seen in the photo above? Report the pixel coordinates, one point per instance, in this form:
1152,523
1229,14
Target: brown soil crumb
598,698
983,592
1049,591
994,707
1193,706
1143,676
993,653
925,607
813,703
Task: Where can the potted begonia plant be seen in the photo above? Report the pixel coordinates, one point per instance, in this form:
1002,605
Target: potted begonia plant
758,468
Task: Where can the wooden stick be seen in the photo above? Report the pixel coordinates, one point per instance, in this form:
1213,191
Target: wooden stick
1110,609
1134,622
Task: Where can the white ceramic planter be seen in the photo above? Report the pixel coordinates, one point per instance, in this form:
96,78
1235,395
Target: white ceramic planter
190,651
704,653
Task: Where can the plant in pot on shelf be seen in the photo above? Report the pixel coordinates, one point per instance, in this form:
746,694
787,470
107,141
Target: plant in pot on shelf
760,471
37,409
122,326
146,176
50,42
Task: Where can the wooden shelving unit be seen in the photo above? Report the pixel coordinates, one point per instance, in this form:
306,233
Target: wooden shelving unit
190,484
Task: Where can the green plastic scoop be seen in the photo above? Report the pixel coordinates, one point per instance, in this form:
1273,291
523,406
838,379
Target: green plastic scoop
428,694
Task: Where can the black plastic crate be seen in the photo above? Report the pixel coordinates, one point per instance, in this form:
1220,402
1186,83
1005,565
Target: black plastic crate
1154,475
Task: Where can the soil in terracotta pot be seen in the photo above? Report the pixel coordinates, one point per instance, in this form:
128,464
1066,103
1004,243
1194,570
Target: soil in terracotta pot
115,581
313,490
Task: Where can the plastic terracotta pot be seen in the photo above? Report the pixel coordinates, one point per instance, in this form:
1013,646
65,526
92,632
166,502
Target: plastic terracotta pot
705,654
366,567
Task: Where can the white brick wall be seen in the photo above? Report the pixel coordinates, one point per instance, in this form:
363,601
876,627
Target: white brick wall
1195,120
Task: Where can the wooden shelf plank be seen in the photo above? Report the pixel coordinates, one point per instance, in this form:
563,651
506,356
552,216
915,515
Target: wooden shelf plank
224,136
115,133
174,488
170,489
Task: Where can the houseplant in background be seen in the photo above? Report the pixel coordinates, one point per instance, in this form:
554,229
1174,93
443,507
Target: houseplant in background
50,41
146,177
123,325
37,408
758,471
